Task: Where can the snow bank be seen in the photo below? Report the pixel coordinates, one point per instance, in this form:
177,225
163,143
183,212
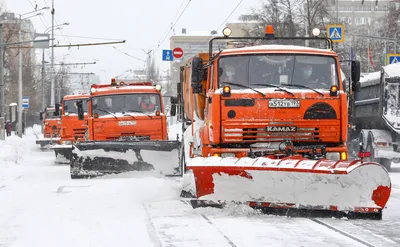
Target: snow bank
13,149
174,130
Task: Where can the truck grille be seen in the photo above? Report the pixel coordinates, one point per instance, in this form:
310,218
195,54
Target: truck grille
303,134
79,133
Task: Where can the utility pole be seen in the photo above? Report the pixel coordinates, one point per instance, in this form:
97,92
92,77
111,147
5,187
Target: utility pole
53,90
2,100
43,82
20,81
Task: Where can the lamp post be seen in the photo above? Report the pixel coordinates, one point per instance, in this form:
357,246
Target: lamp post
20,68
43,62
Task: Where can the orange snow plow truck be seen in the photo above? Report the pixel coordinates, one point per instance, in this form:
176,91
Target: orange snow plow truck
51,125
126,125
72,129
266,125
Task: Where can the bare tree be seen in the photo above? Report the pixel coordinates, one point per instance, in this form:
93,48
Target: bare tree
154,73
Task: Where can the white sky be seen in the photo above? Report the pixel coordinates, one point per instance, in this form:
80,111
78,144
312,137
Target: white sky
141,23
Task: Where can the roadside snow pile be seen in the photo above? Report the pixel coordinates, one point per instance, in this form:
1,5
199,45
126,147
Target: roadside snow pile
13,149
173,130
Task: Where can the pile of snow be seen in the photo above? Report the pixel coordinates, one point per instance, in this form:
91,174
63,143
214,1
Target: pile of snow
13,149
173,130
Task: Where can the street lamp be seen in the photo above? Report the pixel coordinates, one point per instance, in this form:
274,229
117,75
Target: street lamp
57,27
20,66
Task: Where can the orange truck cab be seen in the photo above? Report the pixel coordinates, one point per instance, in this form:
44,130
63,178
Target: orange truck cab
73,129
126,111
51,125
265,100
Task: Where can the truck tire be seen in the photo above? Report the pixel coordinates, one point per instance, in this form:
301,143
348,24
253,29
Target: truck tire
182,159
384,162
387,163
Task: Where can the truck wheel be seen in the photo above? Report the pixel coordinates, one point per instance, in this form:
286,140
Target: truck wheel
182,159
387,163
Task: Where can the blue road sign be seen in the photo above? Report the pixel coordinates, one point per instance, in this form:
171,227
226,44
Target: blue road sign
25,102
167,55
393,58
335,32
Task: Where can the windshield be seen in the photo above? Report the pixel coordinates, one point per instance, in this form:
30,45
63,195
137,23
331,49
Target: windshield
126,103
50,114
70,106
314,71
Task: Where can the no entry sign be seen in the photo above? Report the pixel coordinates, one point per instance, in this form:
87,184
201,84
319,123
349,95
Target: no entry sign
177,52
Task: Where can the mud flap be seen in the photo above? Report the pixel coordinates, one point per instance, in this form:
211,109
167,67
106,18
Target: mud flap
107,157
306,185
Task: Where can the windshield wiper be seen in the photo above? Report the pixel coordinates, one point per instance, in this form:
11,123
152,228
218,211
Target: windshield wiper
107,112
302,86
276,86
127,114
243,86
141,112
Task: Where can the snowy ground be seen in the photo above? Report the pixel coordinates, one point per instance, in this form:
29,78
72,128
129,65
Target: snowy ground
41,206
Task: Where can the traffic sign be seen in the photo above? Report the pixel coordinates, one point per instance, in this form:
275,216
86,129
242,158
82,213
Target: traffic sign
392,58
177,52
25,102
167,55
335,32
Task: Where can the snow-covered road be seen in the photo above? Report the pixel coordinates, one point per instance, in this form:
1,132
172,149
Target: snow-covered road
41,206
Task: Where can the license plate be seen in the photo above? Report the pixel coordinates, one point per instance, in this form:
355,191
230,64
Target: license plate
126,123
284,103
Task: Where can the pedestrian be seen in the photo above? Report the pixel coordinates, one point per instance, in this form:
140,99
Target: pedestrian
8,127
23,128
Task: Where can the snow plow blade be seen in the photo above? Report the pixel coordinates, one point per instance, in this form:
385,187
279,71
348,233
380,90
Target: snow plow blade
46,142
295,187
96,158
63,153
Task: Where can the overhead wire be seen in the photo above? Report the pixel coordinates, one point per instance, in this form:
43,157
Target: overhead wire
62,33
41,18
129,55
171,28
233,11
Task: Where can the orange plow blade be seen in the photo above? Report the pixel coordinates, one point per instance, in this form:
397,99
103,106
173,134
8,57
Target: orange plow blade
344,188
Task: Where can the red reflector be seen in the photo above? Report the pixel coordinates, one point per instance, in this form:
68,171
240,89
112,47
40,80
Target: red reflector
364,154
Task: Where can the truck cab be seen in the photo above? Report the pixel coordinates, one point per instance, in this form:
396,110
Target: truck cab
51,121
265,100
124,111
73,129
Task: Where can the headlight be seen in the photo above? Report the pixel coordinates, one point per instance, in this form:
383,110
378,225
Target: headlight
333,156
66,142
226,155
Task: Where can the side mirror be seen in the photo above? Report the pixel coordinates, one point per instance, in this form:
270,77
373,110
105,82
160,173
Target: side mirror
355,86
79,105
355,71
197,75
173,110
57,110
41,115
174,100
